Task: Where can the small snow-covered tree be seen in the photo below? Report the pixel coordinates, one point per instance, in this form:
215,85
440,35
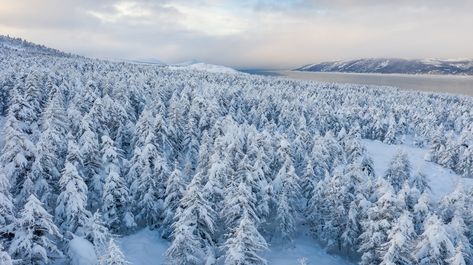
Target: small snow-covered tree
309,181
244,244
400,242
185,247
434,245
34,232
421,212
399,170
96,232
114,255
420,181
148,173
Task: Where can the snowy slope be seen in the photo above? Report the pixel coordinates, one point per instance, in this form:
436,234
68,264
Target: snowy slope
18,44
442,180
212,68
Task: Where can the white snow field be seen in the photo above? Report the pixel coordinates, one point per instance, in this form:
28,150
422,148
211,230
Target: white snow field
146,247
442,181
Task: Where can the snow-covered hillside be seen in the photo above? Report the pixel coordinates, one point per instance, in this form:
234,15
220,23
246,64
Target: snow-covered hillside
395,65
212,68
7,42
203,165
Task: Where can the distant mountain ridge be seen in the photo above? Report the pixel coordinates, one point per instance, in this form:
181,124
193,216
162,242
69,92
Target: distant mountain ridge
395,66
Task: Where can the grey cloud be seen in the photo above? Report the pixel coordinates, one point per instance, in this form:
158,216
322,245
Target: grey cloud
246,33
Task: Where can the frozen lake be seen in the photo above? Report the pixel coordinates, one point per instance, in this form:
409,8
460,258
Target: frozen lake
462,85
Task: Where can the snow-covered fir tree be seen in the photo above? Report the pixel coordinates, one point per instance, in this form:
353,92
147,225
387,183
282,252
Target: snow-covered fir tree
71,210
399,170
35,235
434,245
114,255
244,244
115,200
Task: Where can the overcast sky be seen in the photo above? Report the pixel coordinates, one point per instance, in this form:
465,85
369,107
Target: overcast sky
244,33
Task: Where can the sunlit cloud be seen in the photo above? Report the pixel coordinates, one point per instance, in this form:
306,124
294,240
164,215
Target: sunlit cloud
209,20
122,10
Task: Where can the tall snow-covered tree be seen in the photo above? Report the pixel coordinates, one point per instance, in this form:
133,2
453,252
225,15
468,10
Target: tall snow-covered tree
71,209
35,234
6,203
287,199
51,149
19,150
421,212
89,151
192,237
381,219
401,238
115,200
175,188
96,232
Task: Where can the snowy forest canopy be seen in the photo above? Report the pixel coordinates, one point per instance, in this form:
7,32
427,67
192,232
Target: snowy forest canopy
221,164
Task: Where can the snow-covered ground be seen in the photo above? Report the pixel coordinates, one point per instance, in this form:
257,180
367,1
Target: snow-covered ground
442,180
146,247
304,246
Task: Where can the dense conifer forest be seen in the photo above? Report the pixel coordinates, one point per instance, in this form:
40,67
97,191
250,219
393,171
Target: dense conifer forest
222,165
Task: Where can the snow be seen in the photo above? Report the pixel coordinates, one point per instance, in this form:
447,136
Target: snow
146,247
442,181
212,68
82,252
304,246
